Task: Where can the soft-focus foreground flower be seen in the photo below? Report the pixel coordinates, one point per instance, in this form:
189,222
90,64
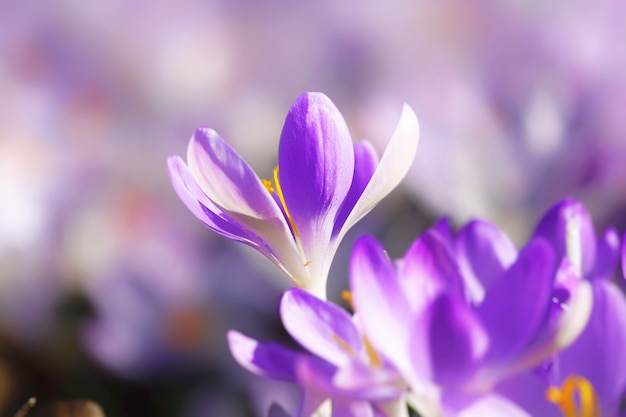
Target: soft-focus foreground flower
323,185
451,342
444,327
590,375
340,362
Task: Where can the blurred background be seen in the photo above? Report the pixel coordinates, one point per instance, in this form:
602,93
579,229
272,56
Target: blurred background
110,290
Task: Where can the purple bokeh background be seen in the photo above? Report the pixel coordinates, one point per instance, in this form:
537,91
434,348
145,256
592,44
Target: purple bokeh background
110,289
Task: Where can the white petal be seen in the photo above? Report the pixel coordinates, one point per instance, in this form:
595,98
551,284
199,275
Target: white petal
393,167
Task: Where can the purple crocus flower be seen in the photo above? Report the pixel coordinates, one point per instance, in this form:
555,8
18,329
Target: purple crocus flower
453,345
323,185
590,374
596,362
339,362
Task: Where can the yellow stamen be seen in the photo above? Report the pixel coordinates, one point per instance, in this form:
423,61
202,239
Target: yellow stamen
268,185
279,191
343,344
371,353
347,297
307,263
575,398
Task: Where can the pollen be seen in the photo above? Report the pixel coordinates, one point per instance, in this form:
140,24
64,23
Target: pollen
575,398
268,186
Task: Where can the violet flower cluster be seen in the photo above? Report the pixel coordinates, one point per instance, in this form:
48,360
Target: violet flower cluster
464,324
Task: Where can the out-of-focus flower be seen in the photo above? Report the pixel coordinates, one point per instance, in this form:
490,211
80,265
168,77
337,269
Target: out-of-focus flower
594,366
340,362
452,345
325,184
589,375
422,334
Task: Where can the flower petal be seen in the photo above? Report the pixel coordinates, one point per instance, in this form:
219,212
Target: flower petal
380,301
353,382
427,269
312,374
493,405
528,391
365,162
560,331
231,184
320,327
518,301
456,338
269,360
598,354
316,164
204,209
570,221
393,166
607,255
484,252
227,179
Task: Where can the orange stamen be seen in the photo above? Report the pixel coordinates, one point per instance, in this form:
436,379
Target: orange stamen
347,297
575,398
268,185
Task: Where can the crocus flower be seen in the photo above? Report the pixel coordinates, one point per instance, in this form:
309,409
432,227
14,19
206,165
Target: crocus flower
323,185
452,346
338,363
594,366
590,375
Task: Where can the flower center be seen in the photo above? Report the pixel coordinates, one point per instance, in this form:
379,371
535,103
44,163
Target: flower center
575,398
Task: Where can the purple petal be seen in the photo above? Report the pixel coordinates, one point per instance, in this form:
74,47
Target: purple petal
607,255
273,239
269,360
484,253
313,374
564,323
598,354
361,380
518,301
227,179
528,391
457,340
355,382
320,327
494,405
365,162
203,208
427,269
316,164
352,409
554,227
380,301
230,183
443,228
